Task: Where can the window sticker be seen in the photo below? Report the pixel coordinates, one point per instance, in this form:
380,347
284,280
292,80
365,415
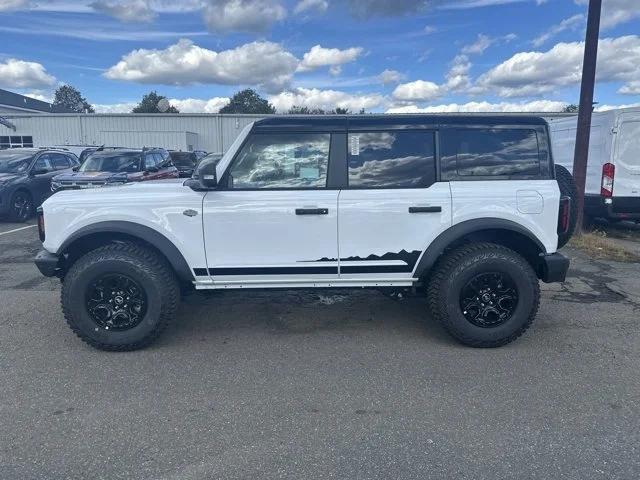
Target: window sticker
354,141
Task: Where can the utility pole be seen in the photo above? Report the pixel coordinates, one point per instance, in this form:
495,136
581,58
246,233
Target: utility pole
583,132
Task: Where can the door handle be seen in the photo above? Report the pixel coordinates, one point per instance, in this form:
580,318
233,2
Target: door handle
312,211
425,209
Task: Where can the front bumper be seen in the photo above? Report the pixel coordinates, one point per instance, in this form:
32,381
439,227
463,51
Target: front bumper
48,263
553,268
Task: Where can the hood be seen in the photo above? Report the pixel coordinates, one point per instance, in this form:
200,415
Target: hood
90,176
7,177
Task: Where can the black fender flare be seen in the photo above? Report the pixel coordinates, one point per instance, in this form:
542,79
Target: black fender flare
459,230
147,234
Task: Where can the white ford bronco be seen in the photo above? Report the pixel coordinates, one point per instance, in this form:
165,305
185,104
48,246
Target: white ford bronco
469,209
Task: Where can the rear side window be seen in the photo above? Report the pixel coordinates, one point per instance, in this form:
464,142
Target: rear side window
392,159
498,152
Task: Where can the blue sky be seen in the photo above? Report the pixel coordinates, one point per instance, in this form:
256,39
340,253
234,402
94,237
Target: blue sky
400,55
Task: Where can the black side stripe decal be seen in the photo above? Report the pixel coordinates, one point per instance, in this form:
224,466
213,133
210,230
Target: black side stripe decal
202,272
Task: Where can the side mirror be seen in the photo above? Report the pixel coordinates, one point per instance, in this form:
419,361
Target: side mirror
76,168
205,173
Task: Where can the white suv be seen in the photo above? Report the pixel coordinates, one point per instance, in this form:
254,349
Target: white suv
467,208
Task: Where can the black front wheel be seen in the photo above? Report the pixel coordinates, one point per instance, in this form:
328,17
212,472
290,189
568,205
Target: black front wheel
120,296
21,207
485,295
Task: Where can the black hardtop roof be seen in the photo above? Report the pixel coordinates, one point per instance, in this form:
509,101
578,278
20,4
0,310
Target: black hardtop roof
340,122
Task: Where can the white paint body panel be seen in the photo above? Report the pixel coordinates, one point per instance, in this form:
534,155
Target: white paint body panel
260,229
615,138
378,222
499,199
158,205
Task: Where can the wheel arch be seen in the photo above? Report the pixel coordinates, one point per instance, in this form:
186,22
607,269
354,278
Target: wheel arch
495,230
102,233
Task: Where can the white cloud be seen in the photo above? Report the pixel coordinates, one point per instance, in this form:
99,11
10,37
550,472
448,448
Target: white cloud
16,73
323,57
571,23
254,16
615,12
306,6
125,107
196,105
8,5
325,99
605,107
388,77
126,10
429,29
265,64
631,88
418,91
458,75
535,73
535,106
479,46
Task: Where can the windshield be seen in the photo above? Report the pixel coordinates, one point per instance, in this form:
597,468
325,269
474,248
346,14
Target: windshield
13,162
183,159
128,162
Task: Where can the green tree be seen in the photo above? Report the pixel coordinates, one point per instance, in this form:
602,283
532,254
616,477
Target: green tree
296,110
572,108
341,111
149,104
248,101
70,98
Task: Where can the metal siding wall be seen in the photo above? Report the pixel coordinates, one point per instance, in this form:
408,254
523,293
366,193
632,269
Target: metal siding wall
215,133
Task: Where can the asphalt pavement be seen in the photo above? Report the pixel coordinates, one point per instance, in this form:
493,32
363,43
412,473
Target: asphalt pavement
306,385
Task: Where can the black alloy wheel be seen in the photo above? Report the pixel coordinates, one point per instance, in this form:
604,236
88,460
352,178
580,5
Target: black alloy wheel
21,206
116,302
489,299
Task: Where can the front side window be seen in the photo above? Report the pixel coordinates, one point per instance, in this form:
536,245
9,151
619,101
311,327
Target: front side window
292,160
43,164
490,153
394,159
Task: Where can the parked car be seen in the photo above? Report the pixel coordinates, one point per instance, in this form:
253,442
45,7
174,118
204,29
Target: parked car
200,154
106,167
185,162
25,176
466,208
613,170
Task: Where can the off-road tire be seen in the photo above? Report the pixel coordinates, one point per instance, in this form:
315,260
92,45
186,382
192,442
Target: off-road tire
454,270
567,188
151,271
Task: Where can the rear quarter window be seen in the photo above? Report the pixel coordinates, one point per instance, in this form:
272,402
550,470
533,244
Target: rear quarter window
491,153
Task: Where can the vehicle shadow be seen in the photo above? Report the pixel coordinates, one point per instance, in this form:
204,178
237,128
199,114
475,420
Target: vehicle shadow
302,312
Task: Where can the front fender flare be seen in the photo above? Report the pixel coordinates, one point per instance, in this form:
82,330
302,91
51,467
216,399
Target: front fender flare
147,234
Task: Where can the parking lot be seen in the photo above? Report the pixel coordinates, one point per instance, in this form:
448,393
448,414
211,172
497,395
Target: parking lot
308,385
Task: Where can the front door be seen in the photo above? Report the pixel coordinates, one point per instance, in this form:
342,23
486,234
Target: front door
393,207
273,220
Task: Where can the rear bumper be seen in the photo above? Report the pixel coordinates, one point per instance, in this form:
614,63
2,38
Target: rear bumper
553,268
620,208
48,263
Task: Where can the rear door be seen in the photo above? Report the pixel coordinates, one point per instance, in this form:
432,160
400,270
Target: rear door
393,207
41,182
627,159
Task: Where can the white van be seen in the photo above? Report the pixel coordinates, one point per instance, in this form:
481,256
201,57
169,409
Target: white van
613,170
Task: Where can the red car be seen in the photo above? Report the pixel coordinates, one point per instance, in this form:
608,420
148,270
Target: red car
117,166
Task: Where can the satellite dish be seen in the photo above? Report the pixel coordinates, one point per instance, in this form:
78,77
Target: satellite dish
163,105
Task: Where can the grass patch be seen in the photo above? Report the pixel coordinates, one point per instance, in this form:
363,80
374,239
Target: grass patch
596,244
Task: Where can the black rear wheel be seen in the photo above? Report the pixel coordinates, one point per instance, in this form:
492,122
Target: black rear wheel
483,294
21,207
